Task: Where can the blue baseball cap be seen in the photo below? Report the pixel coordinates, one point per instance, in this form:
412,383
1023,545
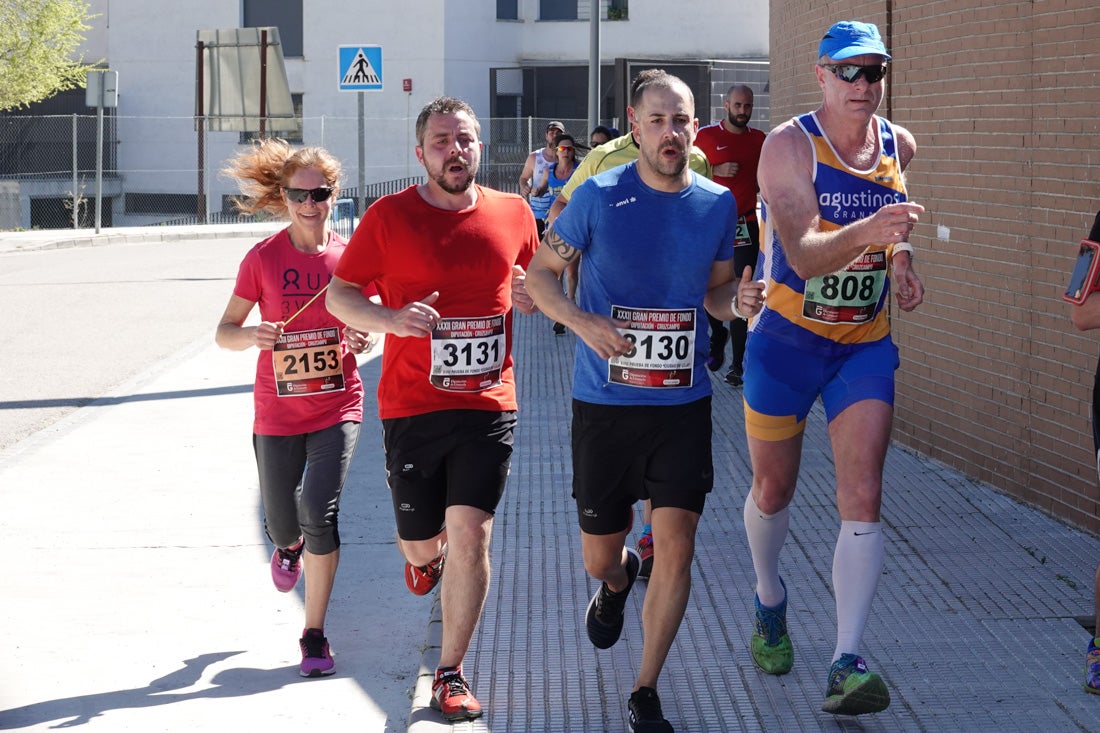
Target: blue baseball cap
850,38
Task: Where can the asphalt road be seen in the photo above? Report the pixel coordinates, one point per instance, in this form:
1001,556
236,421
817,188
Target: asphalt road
79,322
142,599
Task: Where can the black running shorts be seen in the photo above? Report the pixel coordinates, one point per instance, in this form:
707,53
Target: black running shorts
442,459
625,453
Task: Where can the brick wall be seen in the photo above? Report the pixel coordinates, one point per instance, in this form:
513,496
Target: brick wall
1004,102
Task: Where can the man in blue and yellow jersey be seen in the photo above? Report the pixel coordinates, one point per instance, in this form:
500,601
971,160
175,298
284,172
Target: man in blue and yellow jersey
836,224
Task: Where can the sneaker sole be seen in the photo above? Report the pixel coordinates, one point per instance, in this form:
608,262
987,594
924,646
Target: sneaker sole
314,673
456,716
869,696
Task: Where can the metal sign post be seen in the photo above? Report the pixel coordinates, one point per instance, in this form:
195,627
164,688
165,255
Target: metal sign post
360,69
361,206
102,92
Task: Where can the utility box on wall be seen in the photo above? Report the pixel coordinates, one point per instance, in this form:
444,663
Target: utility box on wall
9,206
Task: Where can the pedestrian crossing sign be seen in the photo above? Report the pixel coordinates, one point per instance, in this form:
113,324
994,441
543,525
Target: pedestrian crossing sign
360,68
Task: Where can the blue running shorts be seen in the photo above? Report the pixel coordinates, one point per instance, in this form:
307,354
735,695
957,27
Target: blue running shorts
783,381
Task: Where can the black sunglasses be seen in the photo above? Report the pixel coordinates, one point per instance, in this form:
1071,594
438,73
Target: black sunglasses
298,195
851,73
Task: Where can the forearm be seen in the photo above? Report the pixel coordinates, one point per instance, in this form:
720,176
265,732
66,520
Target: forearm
345,301
1086,316
719,300
544,287
821,253
234,337
555,209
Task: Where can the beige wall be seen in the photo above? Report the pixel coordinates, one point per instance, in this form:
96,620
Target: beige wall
1005,105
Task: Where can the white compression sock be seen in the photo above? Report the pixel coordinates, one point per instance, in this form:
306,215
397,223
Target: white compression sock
766,535
857,566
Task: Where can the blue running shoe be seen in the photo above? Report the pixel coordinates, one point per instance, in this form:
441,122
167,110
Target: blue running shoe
771,646
1092,669
853,690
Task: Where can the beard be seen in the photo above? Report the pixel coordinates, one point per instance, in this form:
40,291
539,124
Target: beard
665,166
738,120
460,186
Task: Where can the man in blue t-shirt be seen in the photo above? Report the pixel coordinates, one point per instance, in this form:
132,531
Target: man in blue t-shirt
657,241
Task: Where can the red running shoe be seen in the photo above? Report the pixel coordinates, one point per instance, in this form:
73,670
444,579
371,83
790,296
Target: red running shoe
645,551
421,580
451,696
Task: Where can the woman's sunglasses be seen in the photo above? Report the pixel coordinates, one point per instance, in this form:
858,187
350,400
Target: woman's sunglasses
298,195
851,73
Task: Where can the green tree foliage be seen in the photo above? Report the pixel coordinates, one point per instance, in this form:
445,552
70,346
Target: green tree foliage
38,40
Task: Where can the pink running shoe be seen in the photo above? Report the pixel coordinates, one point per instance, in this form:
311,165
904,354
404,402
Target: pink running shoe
286,566
316,656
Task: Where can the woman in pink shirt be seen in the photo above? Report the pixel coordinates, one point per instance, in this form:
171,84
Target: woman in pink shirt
308,394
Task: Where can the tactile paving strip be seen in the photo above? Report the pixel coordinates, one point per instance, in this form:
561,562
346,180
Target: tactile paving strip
973,626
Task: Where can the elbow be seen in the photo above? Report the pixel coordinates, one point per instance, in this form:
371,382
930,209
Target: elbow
801,268
807,264
1077,318
333,304
221,336
800,260
711,306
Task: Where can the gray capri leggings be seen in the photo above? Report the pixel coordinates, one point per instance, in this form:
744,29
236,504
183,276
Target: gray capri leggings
301,479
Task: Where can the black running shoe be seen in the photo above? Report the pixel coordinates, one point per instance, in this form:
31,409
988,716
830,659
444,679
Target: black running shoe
604,619
718,341
645,712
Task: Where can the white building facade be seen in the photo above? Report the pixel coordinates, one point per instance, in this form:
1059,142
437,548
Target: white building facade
525,59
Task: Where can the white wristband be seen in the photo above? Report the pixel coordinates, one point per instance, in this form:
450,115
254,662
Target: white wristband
902,247
737,311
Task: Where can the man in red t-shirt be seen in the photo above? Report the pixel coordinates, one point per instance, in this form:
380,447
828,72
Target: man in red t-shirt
733,149
448,259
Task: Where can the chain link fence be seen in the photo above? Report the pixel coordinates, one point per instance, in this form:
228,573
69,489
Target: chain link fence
55,174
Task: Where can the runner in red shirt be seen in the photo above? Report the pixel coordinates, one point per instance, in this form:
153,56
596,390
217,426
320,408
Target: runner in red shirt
448,257
733,149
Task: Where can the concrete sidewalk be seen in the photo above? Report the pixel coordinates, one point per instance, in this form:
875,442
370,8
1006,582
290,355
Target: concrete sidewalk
137,594
975,625
39,239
